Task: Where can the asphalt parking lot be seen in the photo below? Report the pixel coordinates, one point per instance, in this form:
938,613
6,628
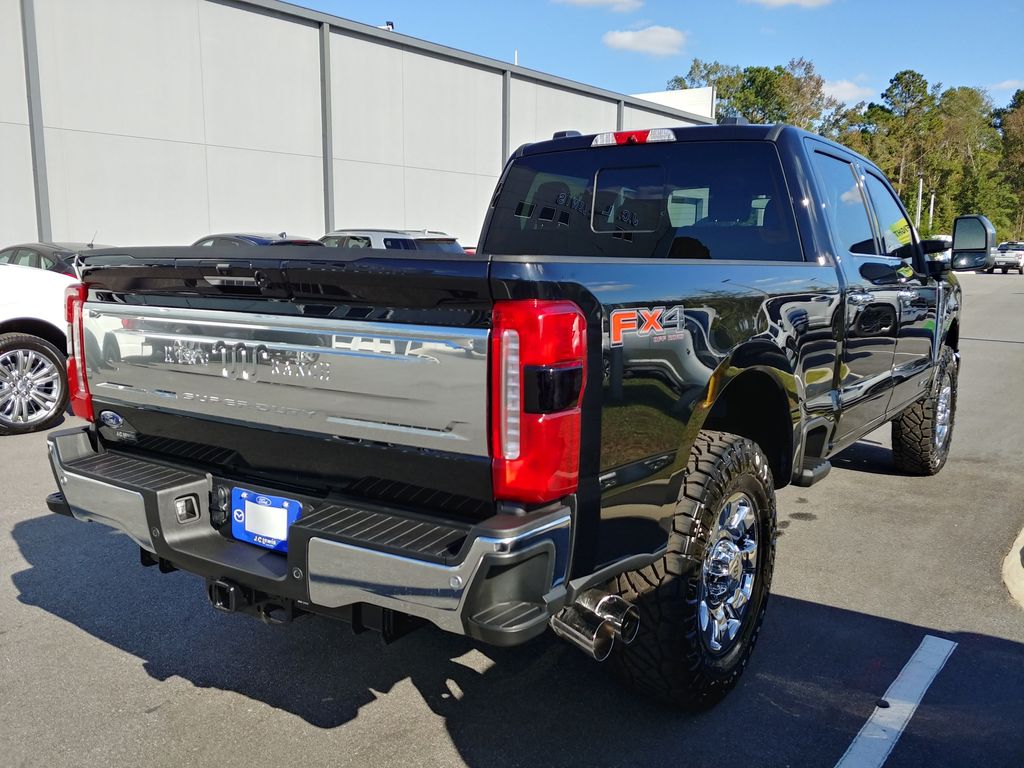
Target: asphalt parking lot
108,663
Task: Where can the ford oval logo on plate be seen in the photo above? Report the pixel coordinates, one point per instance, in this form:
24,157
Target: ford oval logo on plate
111,419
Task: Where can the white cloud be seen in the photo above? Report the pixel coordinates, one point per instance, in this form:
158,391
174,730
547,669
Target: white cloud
848,91
619,6
781,3
654,41
1007,85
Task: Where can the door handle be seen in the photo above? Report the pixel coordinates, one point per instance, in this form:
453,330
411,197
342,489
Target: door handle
907,294
859,298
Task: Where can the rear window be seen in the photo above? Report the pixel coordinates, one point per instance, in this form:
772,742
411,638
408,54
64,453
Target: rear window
687,200
445,246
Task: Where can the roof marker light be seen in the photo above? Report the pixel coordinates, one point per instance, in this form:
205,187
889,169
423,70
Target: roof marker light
651,136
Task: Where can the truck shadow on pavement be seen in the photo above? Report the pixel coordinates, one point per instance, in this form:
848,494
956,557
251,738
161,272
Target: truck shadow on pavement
869,457
811,684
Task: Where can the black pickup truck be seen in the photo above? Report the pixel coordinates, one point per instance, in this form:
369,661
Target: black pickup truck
582,426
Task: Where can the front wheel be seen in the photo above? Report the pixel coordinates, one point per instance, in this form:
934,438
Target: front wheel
33,384
702,604
922,434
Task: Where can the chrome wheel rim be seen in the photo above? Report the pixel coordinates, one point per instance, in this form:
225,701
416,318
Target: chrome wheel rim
30,387
728,574
943,411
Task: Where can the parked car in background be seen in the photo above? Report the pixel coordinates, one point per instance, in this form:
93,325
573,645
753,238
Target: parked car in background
254,238
33,379
393,239
1009,256
53,257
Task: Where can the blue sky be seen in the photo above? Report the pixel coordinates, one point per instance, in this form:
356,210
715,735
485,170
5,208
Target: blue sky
634,46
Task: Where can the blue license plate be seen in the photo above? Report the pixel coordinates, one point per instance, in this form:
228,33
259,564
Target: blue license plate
261,519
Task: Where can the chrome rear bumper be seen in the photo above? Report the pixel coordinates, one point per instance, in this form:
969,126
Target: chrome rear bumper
499,580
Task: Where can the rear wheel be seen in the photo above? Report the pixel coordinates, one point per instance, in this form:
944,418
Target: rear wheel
701,606
922,434
33,384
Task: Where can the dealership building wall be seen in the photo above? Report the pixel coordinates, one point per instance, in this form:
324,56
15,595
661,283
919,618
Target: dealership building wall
157,121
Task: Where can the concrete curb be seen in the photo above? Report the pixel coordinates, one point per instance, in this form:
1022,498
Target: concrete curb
1013,570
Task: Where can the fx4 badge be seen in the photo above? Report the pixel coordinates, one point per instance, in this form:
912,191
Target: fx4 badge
657,322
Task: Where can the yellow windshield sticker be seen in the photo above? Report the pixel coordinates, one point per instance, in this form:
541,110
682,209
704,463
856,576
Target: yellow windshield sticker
901,229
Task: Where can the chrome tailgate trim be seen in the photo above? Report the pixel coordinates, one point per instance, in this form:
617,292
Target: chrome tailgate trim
414,385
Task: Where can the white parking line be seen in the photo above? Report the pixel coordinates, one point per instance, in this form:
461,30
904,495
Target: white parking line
885,726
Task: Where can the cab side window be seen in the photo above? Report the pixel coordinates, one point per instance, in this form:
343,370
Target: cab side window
894,226
843,204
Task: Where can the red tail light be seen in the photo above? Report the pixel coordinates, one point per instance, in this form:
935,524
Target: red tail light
650,136
538,356
78,385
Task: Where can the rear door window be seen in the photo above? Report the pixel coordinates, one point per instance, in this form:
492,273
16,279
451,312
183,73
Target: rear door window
26,258
844,204
399,243
685,200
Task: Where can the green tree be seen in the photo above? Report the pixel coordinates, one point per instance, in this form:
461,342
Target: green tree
792,94
1010,121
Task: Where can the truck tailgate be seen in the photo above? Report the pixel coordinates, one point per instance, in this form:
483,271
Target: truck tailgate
414,385
351,360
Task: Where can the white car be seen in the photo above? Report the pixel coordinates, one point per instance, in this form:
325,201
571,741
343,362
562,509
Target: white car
33,343
1010,256
393,239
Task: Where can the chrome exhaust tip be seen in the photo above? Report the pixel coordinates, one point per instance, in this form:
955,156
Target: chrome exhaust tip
623,615
589,632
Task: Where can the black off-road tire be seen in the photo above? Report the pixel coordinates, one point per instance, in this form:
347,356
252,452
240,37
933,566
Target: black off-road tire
11,343
669,660
914,447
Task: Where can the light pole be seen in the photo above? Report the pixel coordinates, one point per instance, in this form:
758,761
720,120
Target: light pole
931,212
921,189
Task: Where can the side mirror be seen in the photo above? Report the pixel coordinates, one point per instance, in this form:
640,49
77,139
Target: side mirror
973,238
